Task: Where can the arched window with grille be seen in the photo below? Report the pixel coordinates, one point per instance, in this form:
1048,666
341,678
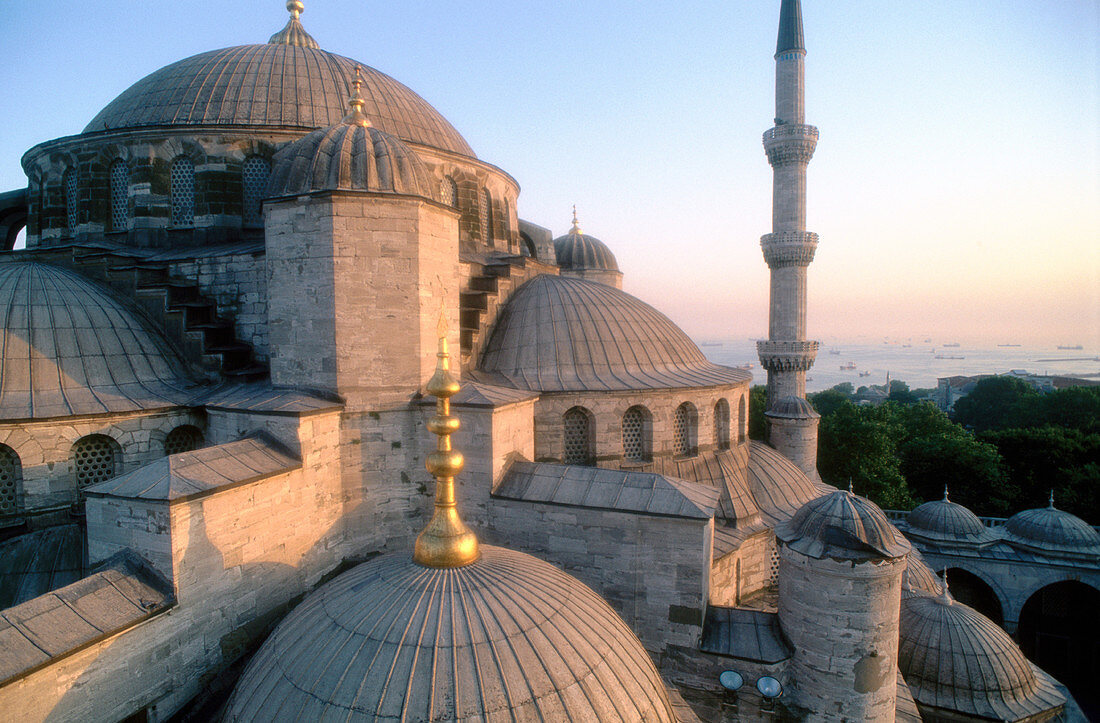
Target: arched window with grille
254,173
579,443
448,192
637,435
95,459
72,207
120,196
722,424
486,216
685,430
182,178
185,438
507,221
11,482
742,421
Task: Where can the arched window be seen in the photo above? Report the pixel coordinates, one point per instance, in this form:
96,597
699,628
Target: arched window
182,177
685,430
742,421
448,191
722,424
507,221
71,199
183,439
11,482
254,174
486,216
579,447
95,460
637,435
120,196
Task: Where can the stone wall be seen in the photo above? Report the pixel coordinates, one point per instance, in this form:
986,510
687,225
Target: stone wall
238,283
695,675
743,572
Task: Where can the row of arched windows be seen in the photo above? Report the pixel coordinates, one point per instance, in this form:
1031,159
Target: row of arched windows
181,178
448,194
579,441
95,459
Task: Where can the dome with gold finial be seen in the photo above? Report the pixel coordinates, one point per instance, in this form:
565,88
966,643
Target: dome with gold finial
577,251
454,631
947,521
1052,530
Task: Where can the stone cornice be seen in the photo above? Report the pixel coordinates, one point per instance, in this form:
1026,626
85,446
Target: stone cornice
789,248
790,143
787,356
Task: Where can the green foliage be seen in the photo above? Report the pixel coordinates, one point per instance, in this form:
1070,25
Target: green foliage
995,403
1074,408
899,392
758,402
845,388
828,401
860,443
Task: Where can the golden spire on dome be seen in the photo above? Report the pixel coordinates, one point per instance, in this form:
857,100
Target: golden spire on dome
576,225
446,541
355,114
294,33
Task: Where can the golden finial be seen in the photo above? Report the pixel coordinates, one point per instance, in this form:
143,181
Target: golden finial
446,541
945,493
355,114
576,225
294,33
296,8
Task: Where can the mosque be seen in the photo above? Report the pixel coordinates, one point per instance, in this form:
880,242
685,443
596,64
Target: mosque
299,420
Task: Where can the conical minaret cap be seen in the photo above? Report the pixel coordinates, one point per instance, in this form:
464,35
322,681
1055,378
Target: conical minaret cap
790,27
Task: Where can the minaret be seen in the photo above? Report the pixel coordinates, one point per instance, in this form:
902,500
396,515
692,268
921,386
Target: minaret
789,248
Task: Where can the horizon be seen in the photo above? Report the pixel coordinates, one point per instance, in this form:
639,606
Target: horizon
954,191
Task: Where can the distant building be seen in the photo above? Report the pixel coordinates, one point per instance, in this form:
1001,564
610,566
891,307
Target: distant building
951,389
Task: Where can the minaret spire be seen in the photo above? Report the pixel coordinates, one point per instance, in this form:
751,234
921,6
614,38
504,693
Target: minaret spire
788,250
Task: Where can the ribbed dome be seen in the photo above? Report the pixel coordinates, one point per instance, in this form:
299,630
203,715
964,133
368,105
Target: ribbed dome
918,578
943,520
508,637
778,486
567,334
1053,530
955,658
348,156
842,525
275,85
71,349
578,251
792,407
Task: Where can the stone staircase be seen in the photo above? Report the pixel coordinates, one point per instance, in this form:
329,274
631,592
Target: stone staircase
187,317
490,282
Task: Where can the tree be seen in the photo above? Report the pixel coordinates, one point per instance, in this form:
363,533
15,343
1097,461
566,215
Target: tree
972,469
828,401
1074,407
899,392
758,404
995,403
845,388
858,443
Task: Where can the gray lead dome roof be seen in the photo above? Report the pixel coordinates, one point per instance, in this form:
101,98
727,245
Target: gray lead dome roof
275,86
561,333
1053,530
508,637
947,521
579,251
842,525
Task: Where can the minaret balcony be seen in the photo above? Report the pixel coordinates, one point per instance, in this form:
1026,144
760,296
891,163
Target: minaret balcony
789,248
787,356
790,143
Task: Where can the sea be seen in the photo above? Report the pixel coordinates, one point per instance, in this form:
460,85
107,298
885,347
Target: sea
918,364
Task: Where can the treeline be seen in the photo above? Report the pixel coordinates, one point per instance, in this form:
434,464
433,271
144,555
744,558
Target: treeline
1003,450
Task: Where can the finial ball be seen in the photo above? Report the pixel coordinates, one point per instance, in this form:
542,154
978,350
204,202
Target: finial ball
295,7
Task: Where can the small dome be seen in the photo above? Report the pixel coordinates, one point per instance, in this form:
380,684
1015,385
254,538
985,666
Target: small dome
842,525
792,407
560,333
350,157
70,349
946,521
577,251
1052,530
506,637
918,578
955,658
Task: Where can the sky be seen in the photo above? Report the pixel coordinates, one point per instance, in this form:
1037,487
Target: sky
956,184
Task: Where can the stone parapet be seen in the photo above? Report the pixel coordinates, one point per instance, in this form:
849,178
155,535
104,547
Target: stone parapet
790,143
787,356
789,248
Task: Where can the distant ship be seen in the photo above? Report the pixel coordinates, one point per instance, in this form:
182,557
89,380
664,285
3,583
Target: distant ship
945,356
953,344
835,351
745,366
906,346
928,340
711,343
1071,348
847,367
1011,345
865,374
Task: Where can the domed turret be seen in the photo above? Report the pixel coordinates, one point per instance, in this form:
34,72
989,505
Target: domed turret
946,521
1052,530
586,257
956,659
842,525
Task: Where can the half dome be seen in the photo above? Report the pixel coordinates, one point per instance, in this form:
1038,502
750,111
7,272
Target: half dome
946,521
70,349
506,637
845,526
1052,530
275,85
561,333
956,659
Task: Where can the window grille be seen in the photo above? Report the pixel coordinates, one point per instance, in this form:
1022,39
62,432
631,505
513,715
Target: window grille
577,437
773,566
254,175
448,191
487,216
635,443
120,196
182,177
11,480
684,430
722,424
742,422
71,199
95,460
183,439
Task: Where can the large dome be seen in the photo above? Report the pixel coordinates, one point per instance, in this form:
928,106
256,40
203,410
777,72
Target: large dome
275,85
508,637
561,333
70,349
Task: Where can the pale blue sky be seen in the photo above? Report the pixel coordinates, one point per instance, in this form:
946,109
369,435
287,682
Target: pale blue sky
956,186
